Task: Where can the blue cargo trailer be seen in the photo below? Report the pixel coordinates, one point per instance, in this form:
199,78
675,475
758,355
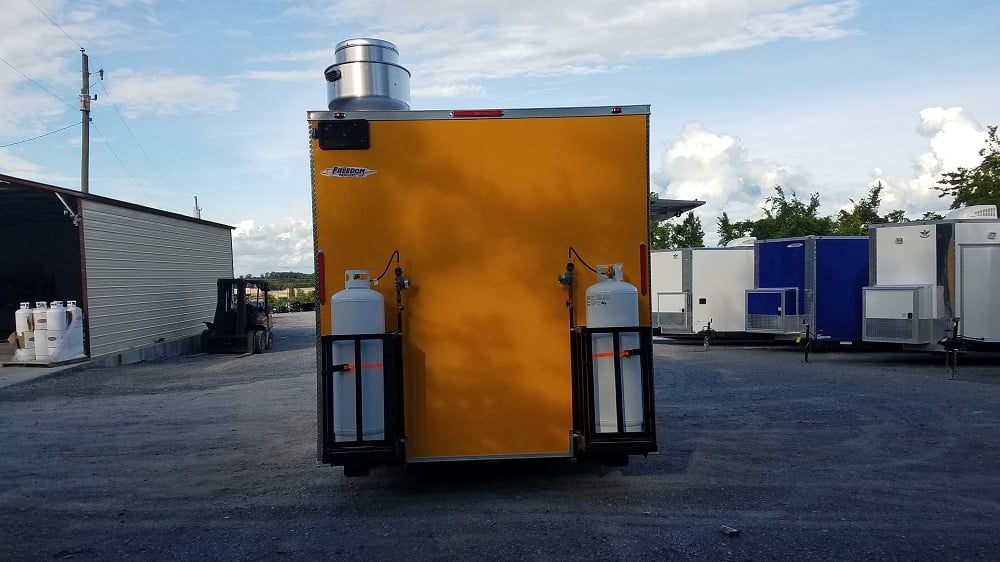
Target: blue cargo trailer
813,281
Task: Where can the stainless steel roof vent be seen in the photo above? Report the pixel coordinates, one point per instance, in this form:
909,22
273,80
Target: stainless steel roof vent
366,75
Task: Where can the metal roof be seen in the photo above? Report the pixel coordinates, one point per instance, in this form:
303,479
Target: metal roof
20,197
663,209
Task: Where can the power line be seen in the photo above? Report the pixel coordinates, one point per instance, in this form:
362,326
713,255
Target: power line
134,138
39,136
115,107
55,24
124,167
33,81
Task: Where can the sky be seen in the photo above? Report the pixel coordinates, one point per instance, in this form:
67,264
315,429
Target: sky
209,99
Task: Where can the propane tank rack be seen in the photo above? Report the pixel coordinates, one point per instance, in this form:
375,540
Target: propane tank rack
361,452
620,442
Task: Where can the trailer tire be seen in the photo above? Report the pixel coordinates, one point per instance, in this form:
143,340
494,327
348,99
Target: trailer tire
355,470
615,460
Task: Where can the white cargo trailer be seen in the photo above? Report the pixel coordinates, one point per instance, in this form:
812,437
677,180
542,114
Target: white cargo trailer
927,273
693,287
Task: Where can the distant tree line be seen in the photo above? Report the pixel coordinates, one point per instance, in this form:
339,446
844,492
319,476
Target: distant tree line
787,216
280,280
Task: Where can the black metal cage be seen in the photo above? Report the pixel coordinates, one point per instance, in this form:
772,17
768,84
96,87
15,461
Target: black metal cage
360,451
620,442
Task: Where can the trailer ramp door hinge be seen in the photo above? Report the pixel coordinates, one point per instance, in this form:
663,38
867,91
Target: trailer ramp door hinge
348,134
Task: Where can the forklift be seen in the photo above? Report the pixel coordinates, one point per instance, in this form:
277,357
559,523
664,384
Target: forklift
242,318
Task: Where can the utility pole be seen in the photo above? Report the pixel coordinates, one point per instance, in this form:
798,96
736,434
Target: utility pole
85,121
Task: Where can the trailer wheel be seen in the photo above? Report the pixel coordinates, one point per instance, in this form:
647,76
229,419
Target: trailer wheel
615,460
355,470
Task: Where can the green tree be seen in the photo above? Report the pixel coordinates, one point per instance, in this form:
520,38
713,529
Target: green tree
688,234
660,234
664,235
729,230
866,213
979,185
784,217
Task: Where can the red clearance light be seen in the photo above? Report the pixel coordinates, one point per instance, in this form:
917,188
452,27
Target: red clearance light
643,269
477,113
616,110
321,276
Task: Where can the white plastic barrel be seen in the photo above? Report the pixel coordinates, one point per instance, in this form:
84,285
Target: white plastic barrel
358,310
613,303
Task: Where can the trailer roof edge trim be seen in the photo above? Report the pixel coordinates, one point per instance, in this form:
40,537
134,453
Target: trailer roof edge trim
405,115
939,221
814,237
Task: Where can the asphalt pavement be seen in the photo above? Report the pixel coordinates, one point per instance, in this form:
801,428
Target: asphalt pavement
852,456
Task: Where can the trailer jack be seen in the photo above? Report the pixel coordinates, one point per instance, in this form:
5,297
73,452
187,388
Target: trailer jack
953,345
707,334
806,341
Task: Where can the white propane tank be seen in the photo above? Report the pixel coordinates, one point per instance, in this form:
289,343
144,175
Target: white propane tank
74,330
55,317
613,303
24,328
22,318
55,325
39,317
358,310
70,344
74,310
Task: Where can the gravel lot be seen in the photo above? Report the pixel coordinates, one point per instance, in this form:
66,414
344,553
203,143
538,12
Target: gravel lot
853,456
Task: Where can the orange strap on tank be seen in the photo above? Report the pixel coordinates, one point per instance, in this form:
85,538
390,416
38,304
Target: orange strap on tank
350,367
626,353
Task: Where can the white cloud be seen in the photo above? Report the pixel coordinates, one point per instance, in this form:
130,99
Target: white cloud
14,166
281,75
459,42
449,91
286,245
41,80
955,139
139,93
715,168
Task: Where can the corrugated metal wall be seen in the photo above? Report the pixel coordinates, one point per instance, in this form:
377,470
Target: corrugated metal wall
149,277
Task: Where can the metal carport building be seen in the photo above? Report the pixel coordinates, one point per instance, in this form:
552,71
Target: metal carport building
145,278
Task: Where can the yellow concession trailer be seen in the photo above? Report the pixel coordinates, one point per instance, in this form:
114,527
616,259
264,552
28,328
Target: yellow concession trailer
456,257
